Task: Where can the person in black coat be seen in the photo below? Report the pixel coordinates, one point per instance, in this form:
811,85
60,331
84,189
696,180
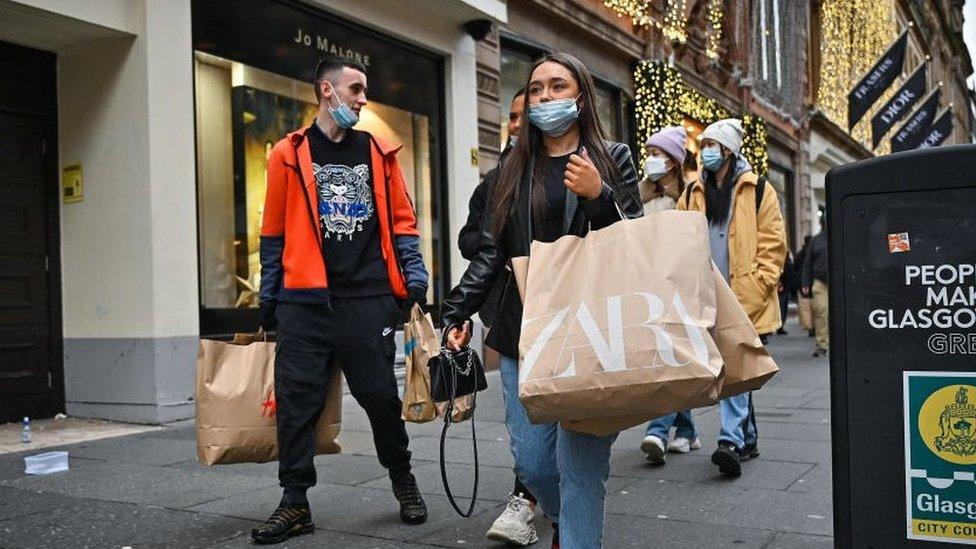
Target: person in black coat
562,178
514,525
469,239
798,270
787,290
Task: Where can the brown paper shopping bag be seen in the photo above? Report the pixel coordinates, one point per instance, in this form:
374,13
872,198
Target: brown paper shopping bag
747,364
236,404
804,308
615,324
420,344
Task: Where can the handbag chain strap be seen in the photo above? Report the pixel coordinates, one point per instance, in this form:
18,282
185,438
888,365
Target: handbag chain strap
449,356
452,373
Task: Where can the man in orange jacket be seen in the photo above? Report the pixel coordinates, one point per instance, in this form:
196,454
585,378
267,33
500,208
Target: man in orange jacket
340,255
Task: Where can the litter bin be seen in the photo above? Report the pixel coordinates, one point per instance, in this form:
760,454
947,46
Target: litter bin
902,253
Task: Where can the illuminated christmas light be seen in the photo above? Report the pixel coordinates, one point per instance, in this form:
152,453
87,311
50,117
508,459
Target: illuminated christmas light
637,10
854,33
663,99
674,21
713,21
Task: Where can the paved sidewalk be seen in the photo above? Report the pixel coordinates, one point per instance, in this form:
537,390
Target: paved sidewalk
147,490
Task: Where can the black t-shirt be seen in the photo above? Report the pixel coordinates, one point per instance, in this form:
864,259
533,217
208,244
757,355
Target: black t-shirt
347,214
552,224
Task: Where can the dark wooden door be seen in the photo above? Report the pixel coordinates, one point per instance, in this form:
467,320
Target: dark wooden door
31,380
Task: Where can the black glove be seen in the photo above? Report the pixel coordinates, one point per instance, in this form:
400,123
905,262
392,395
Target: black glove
416,295
267,318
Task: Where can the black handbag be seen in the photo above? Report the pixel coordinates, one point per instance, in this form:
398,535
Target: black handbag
454,375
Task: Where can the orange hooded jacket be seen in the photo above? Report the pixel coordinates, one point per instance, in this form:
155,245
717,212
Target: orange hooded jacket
292,265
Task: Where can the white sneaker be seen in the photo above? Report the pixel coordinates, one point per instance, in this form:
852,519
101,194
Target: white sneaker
654,448
514,525
682,445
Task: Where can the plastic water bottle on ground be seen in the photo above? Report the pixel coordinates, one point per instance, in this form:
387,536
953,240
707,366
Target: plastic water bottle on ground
25,432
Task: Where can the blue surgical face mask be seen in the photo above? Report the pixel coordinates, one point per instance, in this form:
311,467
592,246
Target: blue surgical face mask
712,158
554,118
343,115
513,141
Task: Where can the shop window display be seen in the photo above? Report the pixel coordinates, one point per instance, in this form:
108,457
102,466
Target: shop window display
252,110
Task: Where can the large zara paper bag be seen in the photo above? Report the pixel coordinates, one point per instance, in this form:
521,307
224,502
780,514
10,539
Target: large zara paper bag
616,324
420,344
236,403
747,364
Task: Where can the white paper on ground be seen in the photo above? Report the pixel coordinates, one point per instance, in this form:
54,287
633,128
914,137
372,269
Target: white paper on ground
46,463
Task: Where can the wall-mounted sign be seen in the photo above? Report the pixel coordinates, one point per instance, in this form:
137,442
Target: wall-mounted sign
71,184
289,38
873,85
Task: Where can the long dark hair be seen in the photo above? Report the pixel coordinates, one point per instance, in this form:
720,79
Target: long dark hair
529,145
718,200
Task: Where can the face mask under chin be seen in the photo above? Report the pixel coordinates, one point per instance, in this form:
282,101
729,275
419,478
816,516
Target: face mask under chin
343,115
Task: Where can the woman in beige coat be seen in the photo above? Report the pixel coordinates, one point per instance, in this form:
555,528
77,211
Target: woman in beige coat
748,244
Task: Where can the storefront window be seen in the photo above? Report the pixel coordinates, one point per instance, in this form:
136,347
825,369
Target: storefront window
515,67
608,112
782,180
252,87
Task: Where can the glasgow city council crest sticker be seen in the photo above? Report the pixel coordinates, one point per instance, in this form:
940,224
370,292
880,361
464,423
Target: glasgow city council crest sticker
940,456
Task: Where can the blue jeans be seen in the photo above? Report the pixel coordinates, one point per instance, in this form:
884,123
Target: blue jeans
738,420
737,416
684,426
566,471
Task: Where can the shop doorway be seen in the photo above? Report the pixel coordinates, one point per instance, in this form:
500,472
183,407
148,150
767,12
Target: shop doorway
31,366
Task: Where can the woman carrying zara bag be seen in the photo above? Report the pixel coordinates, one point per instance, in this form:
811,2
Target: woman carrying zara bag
562,178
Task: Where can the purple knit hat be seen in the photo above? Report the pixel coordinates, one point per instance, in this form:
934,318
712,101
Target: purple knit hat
672,141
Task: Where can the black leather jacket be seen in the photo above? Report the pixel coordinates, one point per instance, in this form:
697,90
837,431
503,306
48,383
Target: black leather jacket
492,258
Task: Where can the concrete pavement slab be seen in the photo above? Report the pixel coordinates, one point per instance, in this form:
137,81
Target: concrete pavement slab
256,470
349,469
59,432
323,538
796,451
180,430
773,475
356,510
459,450
730,505
471,532
789,431
624,531
15,502
484,430
800,541
495,483
816,403
356,442
140,450
82,522
124,482
817,479
12,465
795,415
